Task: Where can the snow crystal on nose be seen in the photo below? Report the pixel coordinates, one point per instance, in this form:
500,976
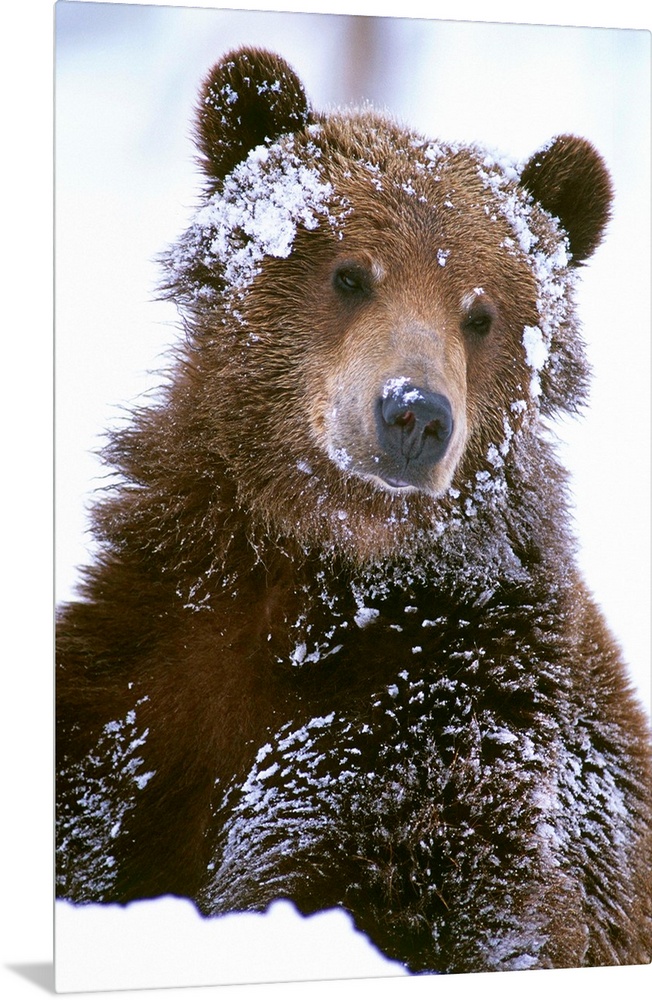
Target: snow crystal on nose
400,388
393,386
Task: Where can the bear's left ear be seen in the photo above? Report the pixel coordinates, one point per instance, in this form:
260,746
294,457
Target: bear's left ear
568,177
250,97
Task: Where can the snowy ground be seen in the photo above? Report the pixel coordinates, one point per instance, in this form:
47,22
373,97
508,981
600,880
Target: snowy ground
126,82
187,950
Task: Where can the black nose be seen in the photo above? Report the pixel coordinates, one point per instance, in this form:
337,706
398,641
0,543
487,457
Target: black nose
414,429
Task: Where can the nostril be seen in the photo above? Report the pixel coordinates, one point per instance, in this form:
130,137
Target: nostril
413,409
398,413
440,427
405,419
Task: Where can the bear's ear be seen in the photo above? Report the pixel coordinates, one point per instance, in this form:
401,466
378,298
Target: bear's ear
250,97
568,177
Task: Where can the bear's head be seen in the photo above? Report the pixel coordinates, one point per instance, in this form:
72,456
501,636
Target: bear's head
374,319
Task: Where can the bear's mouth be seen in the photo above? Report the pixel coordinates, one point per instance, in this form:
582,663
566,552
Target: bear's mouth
395,485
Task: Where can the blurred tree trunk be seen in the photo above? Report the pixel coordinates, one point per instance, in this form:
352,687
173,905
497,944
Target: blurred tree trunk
367,60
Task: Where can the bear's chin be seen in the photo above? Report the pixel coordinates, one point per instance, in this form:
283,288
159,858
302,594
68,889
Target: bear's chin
368,523
384,485
398,486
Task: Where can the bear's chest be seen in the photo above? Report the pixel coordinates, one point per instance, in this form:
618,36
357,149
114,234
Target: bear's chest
401,739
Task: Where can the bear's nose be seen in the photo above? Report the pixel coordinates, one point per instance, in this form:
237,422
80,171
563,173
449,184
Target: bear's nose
414,427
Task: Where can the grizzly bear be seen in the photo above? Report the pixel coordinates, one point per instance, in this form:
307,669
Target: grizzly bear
335,647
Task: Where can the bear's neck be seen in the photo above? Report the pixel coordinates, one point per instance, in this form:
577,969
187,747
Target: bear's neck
508,534
476,544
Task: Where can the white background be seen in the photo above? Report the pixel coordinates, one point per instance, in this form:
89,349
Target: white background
125,187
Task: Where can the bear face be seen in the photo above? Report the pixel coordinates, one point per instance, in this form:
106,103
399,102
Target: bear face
407,305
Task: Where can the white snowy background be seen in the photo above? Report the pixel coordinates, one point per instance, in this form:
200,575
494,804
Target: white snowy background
126,82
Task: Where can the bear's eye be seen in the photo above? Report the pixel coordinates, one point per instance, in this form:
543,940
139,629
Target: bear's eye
351,280
479,320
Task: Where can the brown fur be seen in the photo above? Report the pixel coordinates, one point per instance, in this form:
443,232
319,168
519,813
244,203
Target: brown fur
300,671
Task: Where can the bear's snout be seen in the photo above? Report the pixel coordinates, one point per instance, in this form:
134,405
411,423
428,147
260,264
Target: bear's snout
414,427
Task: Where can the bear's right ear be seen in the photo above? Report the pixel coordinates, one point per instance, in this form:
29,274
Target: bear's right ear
570,180
250,97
